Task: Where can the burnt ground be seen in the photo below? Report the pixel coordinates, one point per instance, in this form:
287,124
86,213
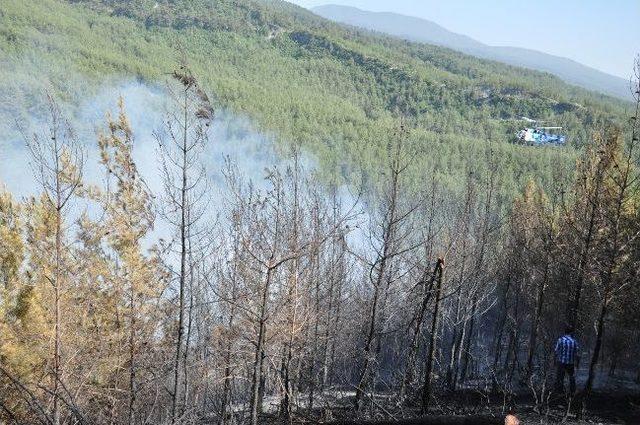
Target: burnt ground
605,408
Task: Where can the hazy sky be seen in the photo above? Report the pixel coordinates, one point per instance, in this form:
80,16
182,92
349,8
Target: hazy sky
604,34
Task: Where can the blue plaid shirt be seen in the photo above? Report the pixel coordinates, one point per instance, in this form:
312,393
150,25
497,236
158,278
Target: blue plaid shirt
566,349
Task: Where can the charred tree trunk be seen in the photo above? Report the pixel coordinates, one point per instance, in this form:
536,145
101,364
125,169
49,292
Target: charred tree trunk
256,380
415,338
363,381
597,347
468,346
428,373
535,326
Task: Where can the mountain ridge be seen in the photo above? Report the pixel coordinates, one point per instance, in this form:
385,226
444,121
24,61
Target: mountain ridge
426,31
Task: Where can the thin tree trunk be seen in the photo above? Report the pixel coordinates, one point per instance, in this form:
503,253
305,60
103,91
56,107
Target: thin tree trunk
413,346
183,260
328,321
455,344
364,375
314,354
57,366
595,357
500,332
535,327
515,345
316,334
256,382
226,390
132,355
334,332
187,340
428,373
574,306
467,347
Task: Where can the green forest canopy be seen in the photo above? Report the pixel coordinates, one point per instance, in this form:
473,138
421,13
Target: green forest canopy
336,90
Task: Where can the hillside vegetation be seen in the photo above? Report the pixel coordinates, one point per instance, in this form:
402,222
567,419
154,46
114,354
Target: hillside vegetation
337,91
424,31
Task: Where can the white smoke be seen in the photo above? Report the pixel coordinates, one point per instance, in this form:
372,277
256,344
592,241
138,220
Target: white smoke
230,136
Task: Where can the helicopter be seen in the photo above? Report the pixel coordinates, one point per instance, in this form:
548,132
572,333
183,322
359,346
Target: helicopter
537,135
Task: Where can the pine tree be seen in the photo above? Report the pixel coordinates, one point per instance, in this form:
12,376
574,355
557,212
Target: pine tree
134,279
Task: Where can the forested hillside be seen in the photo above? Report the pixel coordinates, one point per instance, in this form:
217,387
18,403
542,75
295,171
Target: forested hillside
399,258
424,31
336,91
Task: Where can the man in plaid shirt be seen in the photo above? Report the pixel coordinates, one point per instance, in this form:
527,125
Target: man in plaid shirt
567,356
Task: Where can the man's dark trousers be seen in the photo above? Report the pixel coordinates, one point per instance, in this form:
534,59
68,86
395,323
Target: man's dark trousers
562,370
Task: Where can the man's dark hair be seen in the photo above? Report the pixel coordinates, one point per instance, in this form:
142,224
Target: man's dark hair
568,330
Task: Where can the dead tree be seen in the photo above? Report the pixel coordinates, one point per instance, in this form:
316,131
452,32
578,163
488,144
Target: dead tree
337,276
426,294
389,236
479,289
181,141
263,238
292,287
457,334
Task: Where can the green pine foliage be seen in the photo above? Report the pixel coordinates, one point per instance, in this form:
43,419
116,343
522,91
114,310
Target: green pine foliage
338,91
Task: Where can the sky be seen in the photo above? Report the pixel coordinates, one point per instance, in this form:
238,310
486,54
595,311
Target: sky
603,34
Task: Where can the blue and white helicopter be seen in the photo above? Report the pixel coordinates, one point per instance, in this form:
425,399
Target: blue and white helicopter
537,135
